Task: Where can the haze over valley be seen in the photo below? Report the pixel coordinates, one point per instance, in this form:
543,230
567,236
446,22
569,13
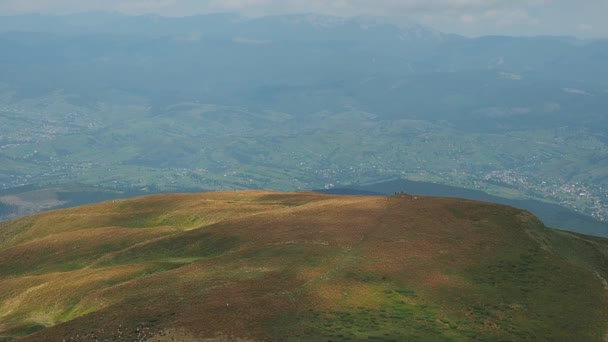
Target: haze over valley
288,102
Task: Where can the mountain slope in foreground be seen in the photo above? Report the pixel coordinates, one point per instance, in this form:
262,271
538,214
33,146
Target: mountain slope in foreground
298,266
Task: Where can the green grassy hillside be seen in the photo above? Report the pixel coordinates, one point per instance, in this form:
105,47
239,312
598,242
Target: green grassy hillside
298,266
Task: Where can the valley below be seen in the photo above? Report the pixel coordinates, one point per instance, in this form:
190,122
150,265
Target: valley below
295,102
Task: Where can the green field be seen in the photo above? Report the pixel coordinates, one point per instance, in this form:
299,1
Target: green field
212,147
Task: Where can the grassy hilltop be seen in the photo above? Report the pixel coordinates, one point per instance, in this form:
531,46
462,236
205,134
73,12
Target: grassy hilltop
261,265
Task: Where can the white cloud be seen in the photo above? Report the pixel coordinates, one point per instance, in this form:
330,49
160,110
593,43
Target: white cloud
348,7
508,17
575,91
472,17
467,18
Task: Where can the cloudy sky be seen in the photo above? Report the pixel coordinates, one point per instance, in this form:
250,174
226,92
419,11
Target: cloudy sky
582,18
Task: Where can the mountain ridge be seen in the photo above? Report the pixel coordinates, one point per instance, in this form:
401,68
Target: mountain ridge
551,214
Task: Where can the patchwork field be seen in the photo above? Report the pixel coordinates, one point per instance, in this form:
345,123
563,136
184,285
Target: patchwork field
260,265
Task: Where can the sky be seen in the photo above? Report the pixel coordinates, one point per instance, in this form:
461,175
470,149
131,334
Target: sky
581,18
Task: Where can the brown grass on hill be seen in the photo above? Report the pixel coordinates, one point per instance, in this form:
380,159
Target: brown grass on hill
264,265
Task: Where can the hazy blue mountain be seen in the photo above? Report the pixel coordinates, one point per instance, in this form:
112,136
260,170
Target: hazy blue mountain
397,71
300,102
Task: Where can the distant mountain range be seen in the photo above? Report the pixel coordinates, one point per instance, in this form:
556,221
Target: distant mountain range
216,25
300,102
